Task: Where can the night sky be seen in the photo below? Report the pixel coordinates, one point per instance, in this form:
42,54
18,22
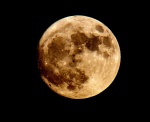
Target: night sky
32,22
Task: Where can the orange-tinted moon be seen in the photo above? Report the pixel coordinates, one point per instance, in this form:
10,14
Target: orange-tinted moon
78,57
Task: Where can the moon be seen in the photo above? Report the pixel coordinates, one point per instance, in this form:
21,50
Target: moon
78,57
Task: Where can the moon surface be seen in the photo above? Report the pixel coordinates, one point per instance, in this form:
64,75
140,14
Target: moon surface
78,57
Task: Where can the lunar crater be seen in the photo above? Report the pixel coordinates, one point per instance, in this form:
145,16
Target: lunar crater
78,38
99,28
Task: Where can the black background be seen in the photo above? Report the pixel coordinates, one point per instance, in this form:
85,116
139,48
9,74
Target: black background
30,21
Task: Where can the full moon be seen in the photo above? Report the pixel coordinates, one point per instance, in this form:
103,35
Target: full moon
78,57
